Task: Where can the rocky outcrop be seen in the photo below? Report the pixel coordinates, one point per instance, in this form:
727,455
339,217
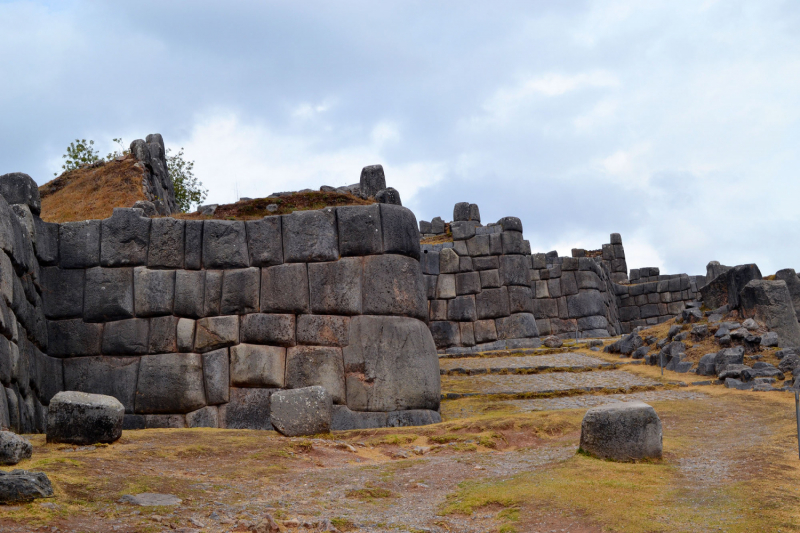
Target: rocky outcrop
770,303
156,182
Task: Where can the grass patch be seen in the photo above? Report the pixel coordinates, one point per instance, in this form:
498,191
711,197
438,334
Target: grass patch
370,493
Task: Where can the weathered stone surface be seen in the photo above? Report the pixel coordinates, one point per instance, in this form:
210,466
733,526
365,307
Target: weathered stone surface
284,289
445,334
586,303
81,418
316,365
13,448
190,288
393,285
517,326
163,336
62,292
770,339
445,287
310,236
484,331
265,241
206,417
400,232
74,337
725,288
323,330
276,329
22,486
216,376
184,334
213,292
108,294
79,244
728,356
240,288
111,376
126,337
413,417
462,308
170,383
247,409
372,180
255,365
770,303
19,188
305,411
360,230
514,270
193,244
391,364
492,303
216,332
154,291
166,243
225,244
344,419
124,238
624,431
520,299
336,286
462,231
164,421
468,283
448,261
389,195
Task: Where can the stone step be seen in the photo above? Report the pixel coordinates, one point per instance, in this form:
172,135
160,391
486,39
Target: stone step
545,384
524,364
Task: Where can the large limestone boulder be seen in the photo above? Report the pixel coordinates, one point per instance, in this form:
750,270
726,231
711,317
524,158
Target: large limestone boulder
305,411
82,418
624,431
770,303
13,448
725,288
23,486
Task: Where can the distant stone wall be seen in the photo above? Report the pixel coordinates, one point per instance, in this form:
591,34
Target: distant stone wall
196,323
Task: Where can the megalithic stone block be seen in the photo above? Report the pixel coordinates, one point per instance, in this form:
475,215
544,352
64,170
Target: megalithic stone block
372,180
310,236
108,294
170,383
360,230
125,237
225,244
265,241
166,243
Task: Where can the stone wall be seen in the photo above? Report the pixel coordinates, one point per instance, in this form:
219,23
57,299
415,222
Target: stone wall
197,322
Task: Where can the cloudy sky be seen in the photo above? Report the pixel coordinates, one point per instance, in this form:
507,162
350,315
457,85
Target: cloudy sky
675,123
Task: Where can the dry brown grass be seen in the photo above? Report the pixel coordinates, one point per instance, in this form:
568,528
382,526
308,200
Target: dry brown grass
92,193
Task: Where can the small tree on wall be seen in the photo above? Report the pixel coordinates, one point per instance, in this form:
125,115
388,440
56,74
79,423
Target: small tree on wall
79,153
188,189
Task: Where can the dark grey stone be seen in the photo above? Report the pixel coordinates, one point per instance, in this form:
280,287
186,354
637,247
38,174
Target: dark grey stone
166,243
400,232
437,226
305,411
514,270
216,332
240,288
20,486
323,330
461,308
517,326
393,285
276,329
170,383
484,331
193,245
205,417
468,283
111,376
391,364
513,242
316,365
19,188
485,263
310,236
770,339
372,180
624,431
463,230
79,244
265,241
108,294
461,212
124,238
62,292
190,288
492,303
148,208
224,244
448,261
336,286
164,421
126,337
413,417
154,291
510,224
254,365
163,335
284,289
82,418
13,448
216,376
490,279
770,303
479,246
586,303
520,299
429,262
213,293
46,243
389,195
74,337
728,356
344,419
424,227
247,409
445,334
133,422
725,288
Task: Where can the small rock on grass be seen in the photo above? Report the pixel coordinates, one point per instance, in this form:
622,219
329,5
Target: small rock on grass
23,486
13,448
